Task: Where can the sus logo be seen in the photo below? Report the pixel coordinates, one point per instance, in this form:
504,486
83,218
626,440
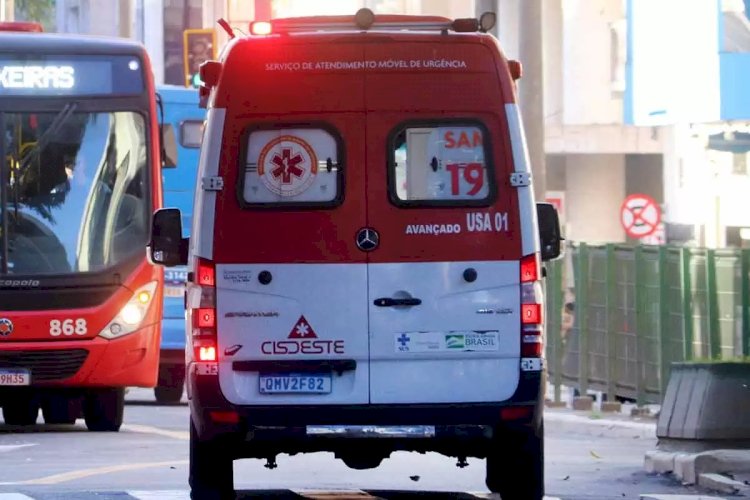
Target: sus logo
302,330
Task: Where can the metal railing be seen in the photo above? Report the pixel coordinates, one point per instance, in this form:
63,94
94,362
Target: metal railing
637,309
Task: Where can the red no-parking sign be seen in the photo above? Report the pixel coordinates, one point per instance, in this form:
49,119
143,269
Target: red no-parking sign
640,215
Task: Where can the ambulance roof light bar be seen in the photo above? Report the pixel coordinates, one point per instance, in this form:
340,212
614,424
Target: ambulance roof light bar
21,26
365,19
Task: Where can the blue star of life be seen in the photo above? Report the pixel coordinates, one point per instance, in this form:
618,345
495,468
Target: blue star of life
403,339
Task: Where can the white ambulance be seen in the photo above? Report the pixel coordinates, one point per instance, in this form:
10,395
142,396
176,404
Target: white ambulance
365,252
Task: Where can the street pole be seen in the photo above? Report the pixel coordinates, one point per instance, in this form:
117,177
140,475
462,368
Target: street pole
6,10
531,89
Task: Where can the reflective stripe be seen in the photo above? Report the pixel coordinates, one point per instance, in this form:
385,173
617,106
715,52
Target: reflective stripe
202,240
526,203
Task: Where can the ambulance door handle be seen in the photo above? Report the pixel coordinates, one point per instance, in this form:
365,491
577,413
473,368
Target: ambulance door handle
389,302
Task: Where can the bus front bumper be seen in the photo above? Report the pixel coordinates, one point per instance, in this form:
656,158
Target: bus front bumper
129,361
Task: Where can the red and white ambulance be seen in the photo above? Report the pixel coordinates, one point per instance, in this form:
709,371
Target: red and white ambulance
365,252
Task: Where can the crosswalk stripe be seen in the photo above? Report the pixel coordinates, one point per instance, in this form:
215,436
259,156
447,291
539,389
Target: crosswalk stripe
159,495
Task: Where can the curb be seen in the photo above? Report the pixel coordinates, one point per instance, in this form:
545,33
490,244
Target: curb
707,466
653,496
600,427
721,483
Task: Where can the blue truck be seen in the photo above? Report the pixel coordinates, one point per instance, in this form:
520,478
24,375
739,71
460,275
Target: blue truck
181,112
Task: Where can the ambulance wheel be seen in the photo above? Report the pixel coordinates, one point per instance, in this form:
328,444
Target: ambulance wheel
103,409
170,384
60,409
211,475
515,464
23,409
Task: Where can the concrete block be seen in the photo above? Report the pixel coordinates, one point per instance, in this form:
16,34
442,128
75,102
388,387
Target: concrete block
724,484
684,467
584,403
611,407
660,462
640,412
721,461
555,404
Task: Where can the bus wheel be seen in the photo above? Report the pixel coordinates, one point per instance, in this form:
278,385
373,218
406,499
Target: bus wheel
22,410
170,386
103,409
61,409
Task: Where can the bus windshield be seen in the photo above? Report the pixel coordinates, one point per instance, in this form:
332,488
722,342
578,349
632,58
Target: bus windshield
75,191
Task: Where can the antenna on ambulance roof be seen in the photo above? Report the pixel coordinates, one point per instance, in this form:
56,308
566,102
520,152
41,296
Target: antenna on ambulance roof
226,27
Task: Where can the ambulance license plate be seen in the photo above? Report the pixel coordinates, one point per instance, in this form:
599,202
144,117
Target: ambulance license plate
15,376
294,383
177,291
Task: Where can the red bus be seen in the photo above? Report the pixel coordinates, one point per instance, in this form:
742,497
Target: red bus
80,305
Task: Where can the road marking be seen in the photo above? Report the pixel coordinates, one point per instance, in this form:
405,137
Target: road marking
14,496
96,471
159,495
652,496
147,429
333,495
11,447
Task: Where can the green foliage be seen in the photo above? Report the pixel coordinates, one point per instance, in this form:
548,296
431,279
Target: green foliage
41,11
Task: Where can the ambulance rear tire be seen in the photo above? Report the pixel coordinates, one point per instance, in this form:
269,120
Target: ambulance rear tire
23,409
61,409
211,474
515,464
103,409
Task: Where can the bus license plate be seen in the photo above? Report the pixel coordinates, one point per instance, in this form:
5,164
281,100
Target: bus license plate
315,383
174,291
15,377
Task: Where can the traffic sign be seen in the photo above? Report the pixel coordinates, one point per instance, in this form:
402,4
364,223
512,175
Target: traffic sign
640,215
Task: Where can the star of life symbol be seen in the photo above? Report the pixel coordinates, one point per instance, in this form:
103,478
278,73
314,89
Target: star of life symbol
287,166
302,330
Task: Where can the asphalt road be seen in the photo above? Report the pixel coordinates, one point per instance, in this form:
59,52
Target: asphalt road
148,459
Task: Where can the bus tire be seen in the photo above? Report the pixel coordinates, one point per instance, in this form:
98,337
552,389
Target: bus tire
211,476
103,409
61,409
23,409
170,386
515,464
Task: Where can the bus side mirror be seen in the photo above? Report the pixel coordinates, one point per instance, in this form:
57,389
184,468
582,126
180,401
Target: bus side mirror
550,238
167,246
168,146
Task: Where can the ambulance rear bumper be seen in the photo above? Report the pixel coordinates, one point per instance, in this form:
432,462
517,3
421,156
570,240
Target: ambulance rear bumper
206,400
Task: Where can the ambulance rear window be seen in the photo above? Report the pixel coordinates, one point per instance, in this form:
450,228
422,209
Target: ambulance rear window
291,166
439,163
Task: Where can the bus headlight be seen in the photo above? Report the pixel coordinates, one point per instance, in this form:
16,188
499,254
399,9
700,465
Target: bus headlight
132,314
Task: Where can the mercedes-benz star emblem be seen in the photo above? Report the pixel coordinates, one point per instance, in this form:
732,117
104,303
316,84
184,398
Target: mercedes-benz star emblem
367,239
6,327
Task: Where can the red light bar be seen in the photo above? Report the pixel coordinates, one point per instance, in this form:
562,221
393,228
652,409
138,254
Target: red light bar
261,28
363,20
21,26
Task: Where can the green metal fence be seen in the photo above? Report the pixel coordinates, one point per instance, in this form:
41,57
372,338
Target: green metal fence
640,308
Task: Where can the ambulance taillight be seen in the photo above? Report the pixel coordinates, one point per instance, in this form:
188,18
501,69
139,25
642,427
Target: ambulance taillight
202,311
532,340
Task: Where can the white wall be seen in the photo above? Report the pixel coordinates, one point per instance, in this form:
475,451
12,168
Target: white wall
588,96
595,191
